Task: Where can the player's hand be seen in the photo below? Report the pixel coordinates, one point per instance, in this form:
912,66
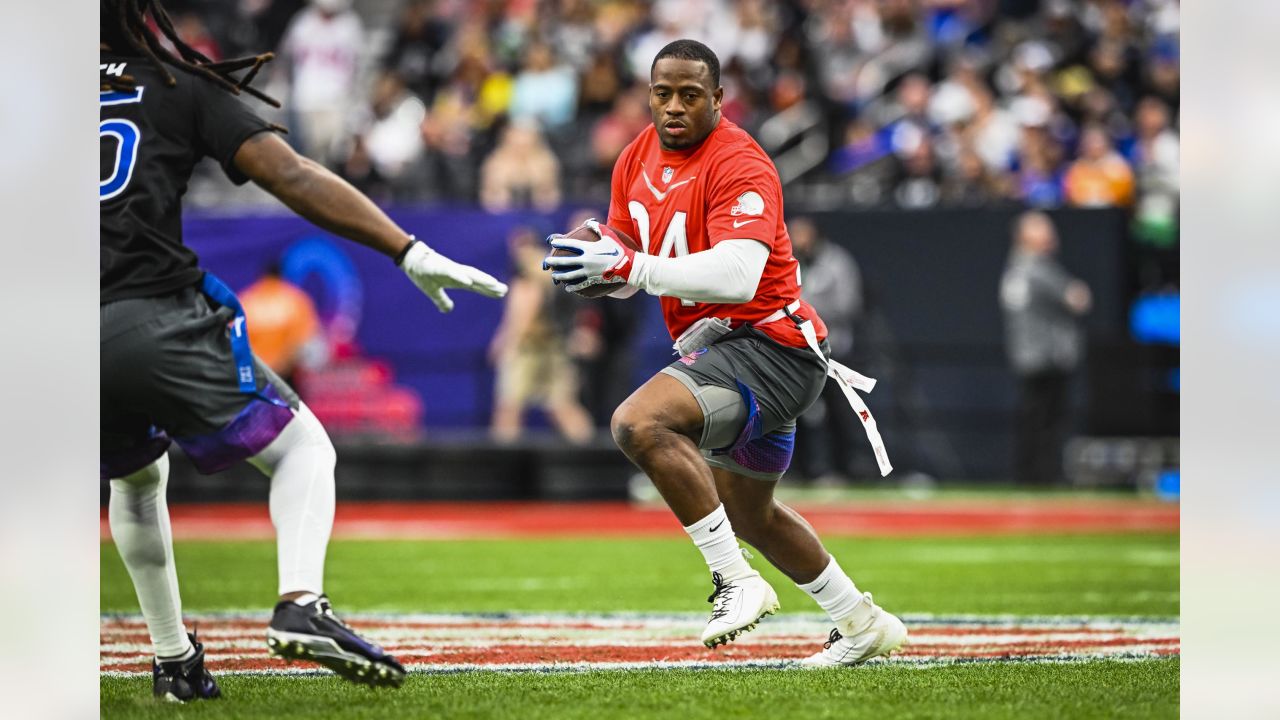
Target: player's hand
593,263
433,272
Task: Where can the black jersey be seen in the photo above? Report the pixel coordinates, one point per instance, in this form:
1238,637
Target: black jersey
150,140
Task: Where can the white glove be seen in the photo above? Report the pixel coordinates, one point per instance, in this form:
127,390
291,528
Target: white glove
433,272
603,261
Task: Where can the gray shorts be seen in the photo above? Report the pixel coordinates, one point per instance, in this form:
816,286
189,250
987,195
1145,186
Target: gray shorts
751,390
167,372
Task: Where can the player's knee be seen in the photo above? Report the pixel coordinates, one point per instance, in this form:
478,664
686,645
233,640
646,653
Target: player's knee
304,434
632,428
155,474
623,427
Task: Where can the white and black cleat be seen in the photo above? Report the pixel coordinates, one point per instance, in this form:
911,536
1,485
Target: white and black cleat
737,606
870,632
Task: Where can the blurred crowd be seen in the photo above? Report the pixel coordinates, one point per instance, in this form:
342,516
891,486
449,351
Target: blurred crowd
865,103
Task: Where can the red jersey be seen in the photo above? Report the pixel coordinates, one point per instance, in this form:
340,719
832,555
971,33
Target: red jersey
678,202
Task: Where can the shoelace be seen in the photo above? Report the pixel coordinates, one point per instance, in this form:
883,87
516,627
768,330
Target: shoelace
324,609
832,639
721,596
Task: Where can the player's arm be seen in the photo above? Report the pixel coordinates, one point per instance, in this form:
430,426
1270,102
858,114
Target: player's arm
327,200
318,195
727,273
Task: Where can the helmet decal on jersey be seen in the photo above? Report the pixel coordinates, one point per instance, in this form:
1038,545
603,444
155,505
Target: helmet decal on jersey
749,203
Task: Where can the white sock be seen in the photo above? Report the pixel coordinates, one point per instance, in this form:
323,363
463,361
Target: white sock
834,591
139,517
714,536
300,463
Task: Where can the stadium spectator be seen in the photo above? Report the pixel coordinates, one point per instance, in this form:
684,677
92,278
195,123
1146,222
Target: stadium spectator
573,35
284,328
972,184
833,286
1112,65
546,90
745,34
322,52
670,23
459,119
801,72
1154,154
1036,181
601,85
528,351
252,26
994,131
359,170
417,54
918,182
392,132
1162,76
1042,305
521,171
1100,177
195,33
618,128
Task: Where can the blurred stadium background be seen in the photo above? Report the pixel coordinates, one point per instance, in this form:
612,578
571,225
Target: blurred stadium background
909,135
907,132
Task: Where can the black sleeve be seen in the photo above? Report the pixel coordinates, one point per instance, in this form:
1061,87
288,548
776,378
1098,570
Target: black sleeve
223,123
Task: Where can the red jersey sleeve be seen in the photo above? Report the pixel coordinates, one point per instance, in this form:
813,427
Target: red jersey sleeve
619,215
745,203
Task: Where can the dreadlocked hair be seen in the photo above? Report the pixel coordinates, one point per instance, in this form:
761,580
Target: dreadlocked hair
123,27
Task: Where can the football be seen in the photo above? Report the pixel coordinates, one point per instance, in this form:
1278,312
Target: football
584,233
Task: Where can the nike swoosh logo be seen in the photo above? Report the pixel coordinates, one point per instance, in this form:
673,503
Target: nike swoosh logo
824,585
740,223
615,252
717,527
656,192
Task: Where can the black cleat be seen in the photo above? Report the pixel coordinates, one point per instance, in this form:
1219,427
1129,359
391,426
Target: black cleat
183,680
312,632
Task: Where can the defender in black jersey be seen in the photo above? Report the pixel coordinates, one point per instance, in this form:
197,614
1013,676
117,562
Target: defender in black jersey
175,359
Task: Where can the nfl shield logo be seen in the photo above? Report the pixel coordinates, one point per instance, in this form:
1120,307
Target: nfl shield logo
666,174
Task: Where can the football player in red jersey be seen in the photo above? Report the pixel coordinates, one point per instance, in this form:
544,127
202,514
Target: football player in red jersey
716,428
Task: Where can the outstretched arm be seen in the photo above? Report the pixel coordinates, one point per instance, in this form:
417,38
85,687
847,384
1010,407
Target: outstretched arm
332,203
315,193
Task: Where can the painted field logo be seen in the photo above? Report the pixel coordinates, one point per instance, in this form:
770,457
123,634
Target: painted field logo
452,643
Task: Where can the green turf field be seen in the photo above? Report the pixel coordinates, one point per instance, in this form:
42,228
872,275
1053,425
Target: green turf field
1105,689
1104,575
